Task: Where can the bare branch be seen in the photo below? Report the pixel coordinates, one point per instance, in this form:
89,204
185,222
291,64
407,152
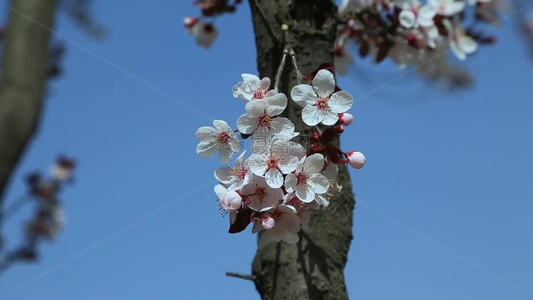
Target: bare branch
241,276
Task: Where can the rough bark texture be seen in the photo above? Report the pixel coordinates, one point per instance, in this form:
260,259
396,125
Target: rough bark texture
23,79
314,268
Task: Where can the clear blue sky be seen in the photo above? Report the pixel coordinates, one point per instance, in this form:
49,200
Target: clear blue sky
444,210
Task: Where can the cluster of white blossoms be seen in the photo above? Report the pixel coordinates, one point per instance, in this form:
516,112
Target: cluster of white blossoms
286,175
411,32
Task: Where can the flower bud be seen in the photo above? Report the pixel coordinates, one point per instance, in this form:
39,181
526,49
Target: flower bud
356,159
339,128
346,118
189,22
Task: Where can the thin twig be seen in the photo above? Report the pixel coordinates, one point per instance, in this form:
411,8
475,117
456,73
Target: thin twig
241,276
281,68
295,64
273,35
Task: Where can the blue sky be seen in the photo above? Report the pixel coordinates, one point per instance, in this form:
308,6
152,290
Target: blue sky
444,203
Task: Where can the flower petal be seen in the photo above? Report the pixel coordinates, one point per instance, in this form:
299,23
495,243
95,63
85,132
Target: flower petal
206,132
274,178
276,104
407,18
290,182
206,149
257,164
340,102
303,94
314,163
221,125
318,183
310,115
224,155
282,126
328,117
224,175
264,84
287,165
324,83
247,124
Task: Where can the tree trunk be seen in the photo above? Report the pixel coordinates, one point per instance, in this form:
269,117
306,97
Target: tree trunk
314,268
23,78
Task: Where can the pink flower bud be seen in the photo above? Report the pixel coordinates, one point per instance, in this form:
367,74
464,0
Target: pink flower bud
267,222
232,200
356,159
346,118
339,128
189,22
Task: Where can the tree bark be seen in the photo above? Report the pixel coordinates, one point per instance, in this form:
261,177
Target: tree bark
314,268
23,78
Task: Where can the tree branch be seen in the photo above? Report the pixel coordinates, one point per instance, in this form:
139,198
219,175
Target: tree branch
241,276
23,78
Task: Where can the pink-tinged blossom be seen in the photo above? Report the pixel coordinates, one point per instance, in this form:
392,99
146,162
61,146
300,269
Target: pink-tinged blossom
286,226
235,178
320,103
260,194
303,209
219,138
306,180
262,117
460,43
356,159
273,162
229,200
447,8
415,15
251,88
205,33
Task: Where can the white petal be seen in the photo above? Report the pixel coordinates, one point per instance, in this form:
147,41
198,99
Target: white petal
340,102
304,193
290,182
206,149
220,191
407,18
234,142
318,183
206,132
314,163
274,178
467,45
264,84
255,108
276,104
310,115
324,83
257,164
221,125
224,155
282,126
288,165
224,175
303,94
247,124
425,15
328,117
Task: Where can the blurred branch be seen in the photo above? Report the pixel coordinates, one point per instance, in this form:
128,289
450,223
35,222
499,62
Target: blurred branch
23,78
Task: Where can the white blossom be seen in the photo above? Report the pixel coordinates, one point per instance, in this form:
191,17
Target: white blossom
219,138
286,226
447,7
229,200
306,180
235,178
205,33
252,88
262,117
261,195
460,43
356,159
274,161
320,103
